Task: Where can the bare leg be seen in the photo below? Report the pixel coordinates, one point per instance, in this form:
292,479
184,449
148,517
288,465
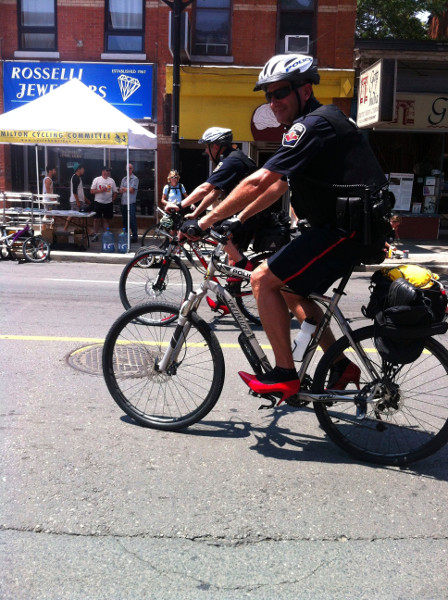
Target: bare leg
233,252
274,314
274,306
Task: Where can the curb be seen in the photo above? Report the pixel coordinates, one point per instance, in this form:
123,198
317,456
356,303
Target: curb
114,258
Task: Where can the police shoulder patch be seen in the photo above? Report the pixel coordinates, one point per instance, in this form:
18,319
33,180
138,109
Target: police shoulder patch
293,136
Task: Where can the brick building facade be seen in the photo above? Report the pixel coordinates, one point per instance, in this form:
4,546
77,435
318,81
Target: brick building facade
226,45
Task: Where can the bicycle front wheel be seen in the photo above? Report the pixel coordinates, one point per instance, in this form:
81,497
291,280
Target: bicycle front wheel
172,400
407,420
153,276
36,249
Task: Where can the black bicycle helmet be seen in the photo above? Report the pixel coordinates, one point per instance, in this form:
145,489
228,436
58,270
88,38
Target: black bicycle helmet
297,68
216,135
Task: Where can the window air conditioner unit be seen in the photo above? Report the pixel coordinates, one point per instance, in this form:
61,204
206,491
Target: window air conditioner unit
297,44
184,35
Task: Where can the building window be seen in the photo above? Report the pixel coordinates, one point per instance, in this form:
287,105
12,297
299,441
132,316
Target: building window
296,18
212,27
125,26
37,25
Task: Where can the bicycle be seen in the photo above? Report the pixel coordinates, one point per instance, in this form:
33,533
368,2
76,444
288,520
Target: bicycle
34,247
161,274
168,374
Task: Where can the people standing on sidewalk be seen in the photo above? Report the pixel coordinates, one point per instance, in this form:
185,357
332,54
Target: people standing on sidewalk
129,182
78,199
48,182
104,190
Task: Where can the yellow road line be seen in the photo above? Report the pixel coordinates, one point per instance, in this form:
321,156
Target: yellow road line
43,338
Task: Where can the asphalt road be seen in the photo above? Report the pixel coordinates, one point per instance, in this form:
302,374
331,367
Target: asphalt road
247,504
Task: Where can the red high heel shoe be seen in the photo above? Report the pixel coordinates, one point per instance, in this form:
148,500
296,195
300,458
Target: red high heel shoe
285,388
340,378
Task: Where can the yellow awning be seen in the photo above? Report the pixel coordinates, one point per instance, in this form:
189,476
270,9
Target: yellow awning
224,97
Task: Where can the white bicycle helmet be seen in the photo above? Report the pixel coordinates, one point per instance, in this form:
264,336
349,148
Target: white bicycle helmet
216,135
297,68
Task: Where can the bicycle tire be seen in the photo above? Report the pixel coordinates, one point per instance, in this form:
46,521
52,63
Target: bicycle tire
155,237
244,297
162,401
35,249
145,278
409,425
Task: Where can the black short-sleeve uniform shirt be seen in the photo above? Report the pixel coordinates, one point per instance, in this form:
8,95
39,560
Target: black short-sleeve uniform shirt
314,157
233,168
317,153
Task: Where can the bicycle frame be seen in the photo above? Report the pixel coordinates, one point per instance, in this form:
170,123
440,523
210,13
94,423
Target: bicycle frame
247,339
12,237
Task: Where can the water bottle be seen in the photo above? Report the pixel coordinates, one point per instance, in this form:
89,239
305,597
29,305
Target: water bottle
123,242
303,338
108,241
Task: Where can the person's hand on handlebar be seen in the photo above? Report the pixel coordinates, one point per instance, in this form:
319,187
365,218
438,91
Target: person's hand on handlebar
231,225
172,207
191,230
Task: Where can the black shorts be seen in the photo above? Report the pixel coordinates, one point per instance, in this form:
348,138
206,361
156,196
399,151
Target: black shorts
314,260
243,237
103,211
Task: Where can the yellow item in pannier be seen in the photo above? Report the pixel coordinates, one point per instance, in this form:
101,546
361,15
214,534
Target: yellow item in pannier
419,276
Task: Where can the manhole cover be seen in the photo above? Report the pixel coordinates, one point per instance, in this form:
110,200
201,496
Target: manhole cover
130,360
88,359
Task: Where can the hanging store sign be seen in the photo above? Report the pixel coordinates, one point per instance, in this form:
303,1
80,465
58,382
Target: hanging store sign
128,87
60,137
376,93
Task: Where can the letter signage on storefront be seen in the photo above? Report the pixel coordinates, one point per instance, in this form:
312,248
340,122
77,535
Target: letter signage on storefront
419,112
128,87
376,94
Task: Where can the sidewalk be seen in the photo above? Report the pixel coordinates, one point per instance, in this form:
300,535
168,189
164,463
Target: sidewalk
431,254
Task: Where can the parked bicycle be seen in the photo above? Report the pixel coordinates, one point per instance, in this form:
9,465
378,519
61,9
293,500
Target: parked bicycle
34,247
168,374
160,272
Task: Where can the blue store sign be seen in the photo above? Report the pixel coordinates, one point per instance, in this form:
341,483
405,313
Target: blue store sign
128,87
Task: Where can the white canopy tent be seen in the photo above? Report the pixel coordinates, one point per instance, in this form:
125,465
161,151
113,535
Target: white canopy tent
73,115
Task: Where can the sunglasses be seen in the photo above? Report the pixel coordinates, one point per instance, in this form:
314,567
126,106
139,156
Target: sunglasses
278,94
281,93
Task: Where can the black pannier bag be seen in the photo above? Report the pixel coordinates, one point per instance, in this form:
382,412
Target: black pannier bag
274,233
404,317
368,215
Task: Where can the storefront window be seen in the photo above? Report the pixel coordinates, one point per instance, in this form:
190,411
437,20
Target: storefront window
37,24
212,27
125,26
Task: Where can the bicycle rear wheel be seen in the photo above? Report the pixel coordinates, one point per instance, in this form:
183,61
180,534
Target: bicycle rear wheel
36,249
172,400
408,419
153,276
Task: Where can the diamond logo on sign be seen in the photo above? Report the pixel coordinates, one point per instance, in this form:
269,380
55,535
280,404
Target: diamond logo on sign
128,85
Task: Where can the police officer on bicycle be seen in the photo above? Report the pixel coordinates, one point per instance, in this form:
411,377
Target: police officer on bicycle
320,149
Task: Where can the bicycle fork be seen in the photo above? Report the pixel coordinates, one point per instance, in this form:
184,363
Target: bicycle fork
168,362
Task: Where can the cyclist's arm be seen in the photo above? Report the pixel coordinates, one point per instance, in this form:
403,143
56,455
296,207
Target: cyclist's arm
244,194
271,195
206,202
196,195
